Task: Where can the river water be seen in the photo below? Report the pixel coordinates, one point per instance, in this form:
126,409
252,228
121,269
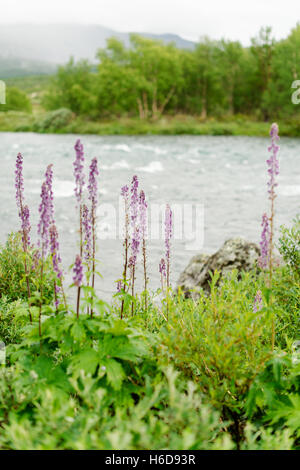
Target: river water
225,175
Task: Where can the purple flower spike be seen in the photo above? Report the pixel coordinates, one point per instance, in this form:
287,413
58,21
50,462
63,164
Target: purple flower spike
78,271
168,229
23,209
93,185
125,191
45,218
87,230
134,210
264,243
49,182
143,214
78,170
119,286
25,219
258,303
168,236
19,184
54,250
272,162
162,268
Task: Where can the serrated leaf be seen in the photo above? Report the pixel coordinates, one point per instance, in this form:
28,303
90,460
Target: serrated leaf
114,372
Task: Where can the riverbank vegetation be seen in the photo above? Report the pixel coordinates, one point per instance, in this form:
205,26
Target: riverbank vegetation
151,370
219,88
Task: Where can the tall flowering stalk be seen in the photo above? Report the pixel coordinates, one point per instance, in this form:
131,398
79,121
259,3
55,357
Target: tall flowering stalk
273,171
267,236
25,220
46,218
264,243
87,235
79,183
56,263
143,224
258,302
77,279
168,236
162,270
93,197
125,195
87,242
135,241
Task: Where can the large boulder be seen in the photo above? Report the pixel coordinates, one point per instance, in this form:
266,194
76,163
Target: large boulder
236,253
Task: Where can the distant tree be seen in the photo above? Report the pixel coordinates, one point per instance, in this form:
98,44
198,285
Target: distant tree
285,70
262,49
72,88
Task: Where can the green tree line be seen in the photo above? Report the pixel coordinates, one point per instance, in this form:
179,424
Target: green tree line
150,79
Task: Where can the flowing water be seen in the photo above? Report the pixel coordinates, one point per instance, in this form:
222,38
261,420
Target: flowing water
226,174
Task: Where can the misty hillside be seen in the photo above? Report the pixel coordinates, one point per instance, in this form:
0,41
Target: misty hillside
27,48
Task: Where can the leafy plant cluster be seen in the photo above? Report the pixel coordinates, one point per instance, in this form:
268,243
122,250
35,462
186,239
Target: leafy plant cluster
205,379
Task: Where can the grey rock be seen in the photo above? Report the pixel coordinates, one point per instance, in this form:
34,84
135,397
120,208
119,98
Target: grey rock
236,253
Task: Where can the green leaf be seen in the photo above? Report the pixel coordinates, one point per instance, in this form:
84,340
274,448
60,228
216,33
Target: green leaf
114,371
86,360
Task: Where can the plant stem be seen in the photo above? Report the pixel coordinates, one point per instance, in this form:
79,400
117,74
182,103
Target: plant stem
93,260
78,302
124,272
145,273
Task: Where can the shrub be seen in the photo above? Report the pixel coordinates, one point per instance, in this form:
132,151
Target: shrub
54,120
289,246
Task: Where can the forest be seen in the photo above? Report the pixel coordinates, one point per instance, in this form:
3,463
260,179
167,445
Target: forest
149,82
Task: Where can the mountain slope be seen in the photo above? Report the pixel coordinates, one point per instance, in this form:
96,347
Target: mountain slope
38,45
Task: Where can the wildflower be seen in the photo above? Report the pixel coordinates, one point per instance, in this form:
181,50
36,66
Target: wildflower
168,236
45,218
162,268
25,223
125,195
49,181
93,186
143,214
19,184
93,190
119,286
78,271
23,210
124,191
264,243
272,162
258,303
134,208
54,250
78,170
87,230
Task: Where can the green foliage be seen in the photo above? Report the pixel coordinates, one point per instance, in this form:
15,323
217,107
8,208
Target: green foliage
219,340
16,100
289,246
72,88
94,385
11,322
12,271
184,375
274,397
150,79
53,121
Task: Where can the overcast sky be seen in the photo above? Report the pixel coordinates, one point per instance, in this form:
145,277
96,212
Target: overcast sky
232,19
